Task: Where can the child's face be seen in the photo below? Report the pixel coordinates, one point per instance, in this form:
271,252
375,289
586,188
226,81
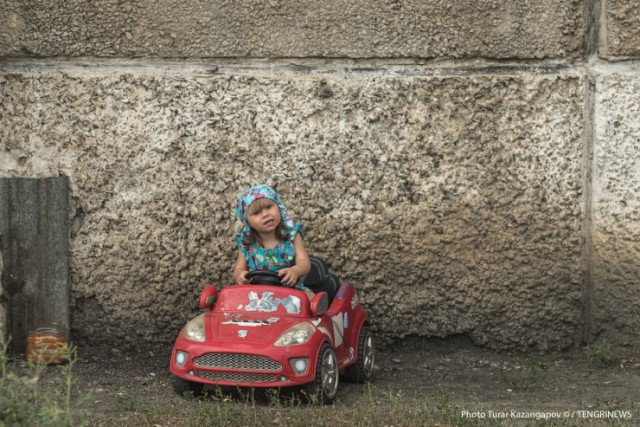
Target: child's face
265,218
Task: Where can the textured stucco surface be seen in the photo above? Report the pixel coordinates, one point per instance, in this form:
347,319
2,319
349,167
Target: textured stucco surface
438,153
287,28
3,299
454,203
620,29
616,209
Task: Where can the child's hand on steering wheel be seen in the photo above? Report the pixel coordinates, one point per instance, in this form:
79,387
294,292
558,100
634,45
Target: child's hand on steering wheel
241,278
289,276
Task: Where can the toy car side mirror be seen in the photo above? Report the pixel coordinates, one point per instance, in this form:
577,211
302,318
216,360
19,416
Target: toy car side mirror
208,297
319,304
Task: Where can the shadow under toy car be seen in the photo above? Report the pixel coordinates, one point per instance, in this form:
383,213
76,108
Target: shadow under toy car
265,335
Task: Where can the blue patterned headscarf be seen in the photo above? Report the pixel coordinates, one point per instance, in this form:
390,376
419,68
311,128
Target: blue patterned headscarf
244,200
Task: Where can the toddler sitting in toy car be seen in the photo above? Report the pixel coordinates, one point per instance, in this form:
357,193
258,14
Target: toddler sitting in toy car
269,239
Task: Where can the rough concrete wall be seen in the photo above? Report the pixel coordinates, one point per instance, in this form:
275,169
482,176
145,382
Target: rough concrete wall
284,28
438,152
3,300
616,209
620,24
615,249
472,228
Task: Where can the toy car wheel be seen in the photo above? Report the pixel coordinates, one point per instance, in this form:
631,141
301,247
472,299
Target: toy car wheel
187,388
362,370
325,386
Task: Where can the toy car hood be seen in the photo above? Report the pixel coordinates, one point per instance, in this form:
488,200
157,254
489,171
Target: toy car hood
248,328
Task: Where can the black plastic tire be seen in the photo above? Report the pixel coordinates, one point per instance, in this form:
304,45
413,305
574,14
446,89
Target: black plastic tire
362,370
325,387
187,388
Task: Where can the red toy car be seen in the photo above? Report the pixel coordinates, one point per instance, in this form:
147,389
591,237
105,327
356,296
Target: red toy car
264,335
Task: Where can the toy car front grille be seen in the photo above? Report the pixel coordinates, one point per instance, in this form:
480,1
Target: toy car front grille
247,362
237,377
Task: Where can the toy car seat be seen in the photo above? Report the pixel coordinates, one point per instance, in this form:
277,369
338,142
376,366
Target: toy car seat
320,279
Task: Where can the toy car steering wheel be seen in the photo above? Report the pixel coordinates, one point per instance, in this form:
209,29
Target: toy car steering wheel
263,277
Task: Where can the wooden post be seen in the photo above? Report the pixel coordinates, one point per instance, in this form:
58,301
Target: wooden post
34,242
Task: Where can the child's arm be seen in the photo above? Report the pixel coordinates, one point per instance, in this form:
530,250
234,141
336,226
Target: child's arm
240,270
290,276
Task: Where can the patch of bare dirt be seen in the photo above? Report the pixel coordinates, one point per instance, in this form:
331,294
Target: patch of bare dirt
478,380
487,380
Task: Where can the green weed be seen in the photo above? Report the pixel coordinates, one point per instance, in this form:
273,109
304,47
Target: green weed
601,353
34,393
521,375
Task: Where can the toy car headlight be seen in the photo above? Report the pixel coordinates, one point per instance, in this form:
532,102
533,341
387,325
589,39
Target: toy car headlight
299,334
194,329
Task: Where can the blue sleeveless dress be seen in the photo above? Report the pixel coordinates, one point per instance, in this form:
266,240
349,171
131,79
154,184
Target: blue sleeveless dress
283,255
